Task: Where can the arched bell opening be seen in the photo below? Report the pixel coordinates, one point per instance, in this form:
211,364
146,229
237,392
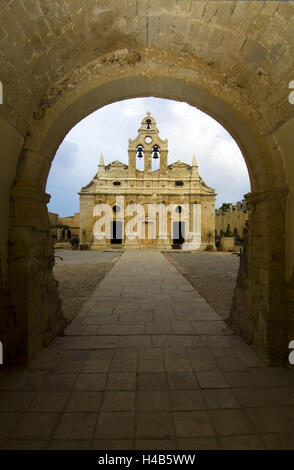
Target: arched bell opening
140,158
155,158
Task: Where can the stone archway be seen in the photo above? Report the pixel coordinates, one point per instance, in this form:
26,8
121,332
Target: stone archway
63,60
259,312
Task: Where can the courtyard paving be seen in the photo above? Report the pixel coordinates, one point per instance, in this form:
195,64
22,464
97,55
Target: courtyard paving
147,364
78,274
213,274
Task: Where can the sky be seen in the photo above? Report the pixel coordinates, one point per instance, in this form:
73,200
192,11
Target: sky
189,131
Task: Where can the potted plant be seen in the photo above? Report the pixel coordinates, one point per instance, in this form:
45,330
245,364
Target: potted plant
75,242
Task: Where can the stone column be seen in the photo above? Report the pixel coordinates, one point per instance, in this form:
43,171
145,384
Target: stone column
163,162
259,308
35,315
147,162
132,163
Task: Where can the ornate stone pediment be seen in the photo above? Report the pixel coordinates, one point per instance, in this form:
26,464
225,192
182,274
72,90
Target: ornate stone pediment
116,164
179,165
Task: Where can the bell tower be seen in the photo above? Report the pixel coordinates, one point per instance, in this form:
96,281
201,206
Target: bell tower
149,148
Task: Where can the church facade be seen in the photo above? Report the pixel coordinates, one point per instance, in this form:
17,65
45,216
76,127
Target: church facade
148,203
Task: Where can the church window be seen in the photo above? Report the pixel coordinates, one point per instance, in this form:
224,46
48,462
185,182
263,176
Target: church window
116,209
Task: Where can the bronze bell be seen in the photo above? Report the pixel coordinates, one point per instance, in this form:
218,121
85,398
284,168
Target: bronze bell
155,152
140,153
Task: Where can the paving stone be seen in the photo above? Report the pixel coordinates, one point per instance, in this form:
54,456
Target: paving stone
8,422
75,355
200,353
274,441
272,419
187,400
116,425
123,365
100,354
84,401
179,327
36,426
150,353
173,364
156,400
16,444
182,380
142,341
90,382
154,425
220,398
76,426
113,444
211,327
231,364
230,422
198,443
254,397
68,367
282,396
249,442
96,365
175,353
60,383
224,352
90,330
152,381
69,445
192,424
158,327
50,402
241,379
89,342
211,380
118,401
273,376
151,365
159,444
204,365
127,353
122,381
15,401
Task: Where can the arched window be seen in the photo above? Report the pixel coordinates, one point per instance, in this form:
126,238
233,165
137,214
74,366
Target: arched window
148,124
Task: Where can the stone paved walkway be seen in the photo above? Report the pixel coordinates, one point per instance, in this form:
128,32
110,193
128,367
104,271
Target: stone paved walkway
147,364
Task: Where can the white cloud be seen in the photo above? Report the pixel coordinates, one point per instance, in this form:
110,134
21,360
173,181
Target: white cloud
187,129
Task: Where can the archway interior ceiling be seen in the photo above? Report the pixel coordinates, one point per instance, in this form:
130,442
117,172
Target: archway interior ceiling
248,47
120,89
